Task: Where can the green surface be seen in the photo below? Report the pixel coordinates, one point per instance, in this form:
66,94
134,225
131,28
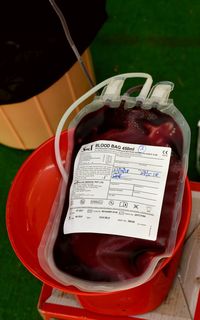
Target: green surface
158,37
161,38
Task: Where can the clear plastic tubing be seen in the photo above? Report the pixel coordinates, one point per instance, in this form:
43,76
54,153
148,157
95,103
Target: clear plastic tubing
141,97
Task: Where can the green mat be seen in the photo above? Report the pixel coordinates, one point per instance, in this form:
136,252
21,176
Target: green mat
158,37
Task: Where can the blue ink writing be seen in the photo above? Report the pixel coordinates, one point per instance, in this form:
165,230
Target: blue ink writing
117,172
149,173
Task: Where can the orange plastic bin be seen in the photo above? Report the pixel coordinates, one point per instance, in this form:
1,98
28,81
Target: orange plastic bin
27,124
30,204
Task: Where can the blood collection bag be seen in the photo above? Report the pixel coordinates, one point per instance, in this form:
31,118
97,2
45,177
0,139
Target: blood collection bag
119,206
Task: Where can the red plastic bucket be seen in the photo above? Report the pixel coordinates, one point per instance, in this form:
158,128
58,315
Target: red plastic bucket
29,205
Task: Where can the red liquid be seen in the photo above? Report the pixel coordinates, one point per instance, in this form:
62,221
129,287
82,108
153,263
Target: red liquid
101,257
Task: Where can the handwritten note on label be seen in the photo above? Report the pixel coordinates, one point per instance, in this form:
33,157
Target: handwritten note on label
118,188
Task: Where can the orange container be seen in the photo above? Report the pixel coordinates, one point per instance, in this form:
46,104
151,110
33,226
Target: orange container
30,203
27,124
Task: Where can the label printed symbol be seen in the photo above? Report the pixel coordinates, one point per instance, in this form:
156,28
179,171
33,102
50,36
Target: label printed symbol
142,149
165,152
123,204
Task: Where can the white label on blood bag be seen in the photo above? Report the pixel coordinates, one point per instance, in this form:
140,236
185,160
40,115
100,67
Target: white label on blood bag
118,189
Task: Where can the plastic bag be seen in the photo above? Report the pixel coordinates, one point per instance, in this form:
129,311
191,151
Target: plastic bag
122,190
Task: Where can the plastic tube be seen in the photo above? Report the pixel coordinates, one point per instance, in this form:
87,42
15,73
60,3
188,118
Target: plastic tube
141,97
70,40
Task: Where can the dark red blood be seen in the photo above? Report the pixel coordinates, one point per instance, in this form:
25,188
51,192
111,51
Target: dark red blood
102,257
